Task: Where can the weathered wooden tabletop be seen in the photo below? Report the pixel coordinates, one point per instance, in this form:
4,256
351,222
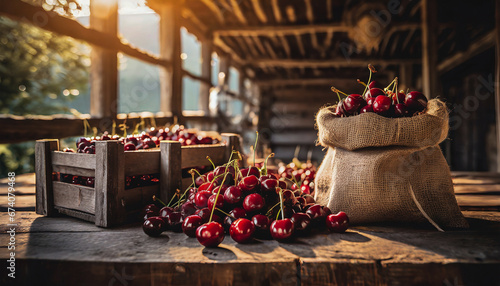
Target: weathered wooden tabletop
68,251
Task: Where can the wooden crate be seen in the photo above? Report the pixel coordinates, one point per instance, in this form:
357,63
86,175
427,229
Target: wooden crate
109,203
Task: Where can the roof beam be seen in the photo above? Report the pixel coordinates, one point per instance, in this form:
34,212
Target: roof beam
275,30
293,63
305,81
259,11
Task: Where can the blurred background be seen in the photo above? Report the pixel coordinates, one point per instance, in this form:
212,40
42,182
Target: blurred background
241,66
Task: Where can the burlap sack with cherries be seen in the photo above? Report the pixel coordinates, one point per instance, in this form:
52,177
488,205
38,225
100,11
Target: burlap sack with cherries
381,169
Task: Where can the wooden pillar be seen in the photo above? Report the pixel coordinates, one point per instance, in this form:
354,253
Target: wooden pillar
170,50
223,77
206,72
170,169
43,167
405,77
104,63
429,48
497,80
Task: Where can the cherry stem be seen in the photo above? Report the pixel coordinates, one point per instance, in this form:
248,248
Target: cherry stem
264,168
158,199
184,194
281,204
278,215
270,210
297,151
142,124
85,125
209,159
217,196
337,92
225,213
153,122
113,128
359,81
255,146
192,176
369,78
392,82
136,129
171,200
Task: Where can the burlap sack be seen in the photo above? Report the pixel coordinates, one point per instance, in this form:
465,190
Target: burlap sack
381,169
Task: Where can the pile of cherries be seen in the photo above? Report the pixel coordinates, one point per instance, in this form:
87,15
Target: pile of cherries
302,174
382,101
130,181
244,203
145,140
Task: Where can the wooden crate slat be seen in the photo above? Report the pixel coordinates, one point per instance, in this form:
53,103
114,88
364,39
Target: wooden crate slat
74,197
186,182
193,156
43,167
77,214
142,162
77,160
73,171
137,198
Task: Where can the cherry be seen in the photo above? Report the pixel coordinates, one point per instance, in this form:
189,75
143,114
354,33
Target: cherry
222,188
222,169
289,198
149,214
90,182
129,146
206,187
340,111
305,189
337,222
400,110
204,213
153,226
131,139
398,98
248,183
253,203
210,234
373,93
301,222
353,102
415,101
382,104
374,84
201,198
228,221
190,224
238,213
269,185
233,195
301,201
250,171
262,224
366,108
282,184
242,230
217,200
165,211
315,212
210,176
200,180
187,209
151,207
175,220
69,150
309,199
281,229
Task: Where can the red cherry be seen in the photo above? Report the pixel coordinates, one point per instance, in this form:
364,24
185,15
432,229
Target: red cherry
315,211
340,111
238,213
250,171
218,201
269,185
301,221
337,222
200,180
382,104
201,198
262,224
242,230
281,229
153,226
204,213
249,183
366,108
206,187
210,234
190,224
353,103
373,93
253,203
175,220
415,101
233,195
187,209
400,110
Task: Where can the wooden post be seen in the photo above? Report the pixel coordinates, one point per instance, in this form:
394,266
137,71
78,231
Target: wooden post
170,50
223,80
233,143
206,72
104,67
405,77
43,167
170,168
109,183
497,80
429,48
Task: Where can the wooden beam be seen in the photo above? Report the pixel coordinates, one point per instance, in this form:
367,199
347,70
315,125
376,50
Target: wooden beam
429,48
259,11
206,73
300,44
285,45
329,9
475,48
497,80
304,81
170,49
104,62
293,63
203,79
215,9
309,11
237,12
51,21
227,49
405,76
290,13
274,30
276,11
194,25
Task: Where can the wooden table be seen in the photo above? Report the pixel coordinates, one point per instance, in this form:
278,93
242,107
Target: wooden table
68,251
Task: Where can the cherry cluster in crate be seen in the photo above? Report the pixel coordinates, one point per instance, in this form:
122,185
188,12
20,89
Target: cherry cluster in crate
382,101
246,203
130,181
145,140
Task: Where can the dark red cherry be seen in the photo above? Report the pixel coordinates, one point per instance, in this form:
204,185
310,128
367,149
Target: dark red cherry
400,110
366,108
200,180
165,211
289,198
250,171
415,101
238,213
175,220
242,230
233,195
204,213
210,234
210,176
374,84
149,214
218,201
262,224
253,203
309,199
282,184
301,222
315,212
382,104
201,198
190,224
269,185
373,93
353,103
281,229
151,207
248,184
340,111
337,222
398,98
188,208
153,226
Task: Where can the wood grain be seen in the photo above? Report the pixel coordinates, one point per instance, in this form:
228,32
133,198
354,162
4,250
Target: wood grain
142,162
195,155
43,165
76,160
170,168
74,197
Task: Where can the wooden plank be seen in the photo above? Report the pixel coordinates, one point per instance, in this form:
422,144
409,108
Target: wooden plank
109,183
170,172
233,142
170,49
237,12
227,49
478,201
478,189
52,21
261,14
275,30
74,197
212,6
497,77
76,160
76,213
338,63
142,162
73,171
104,67
205,81
193,156
429,48
276,11
43,167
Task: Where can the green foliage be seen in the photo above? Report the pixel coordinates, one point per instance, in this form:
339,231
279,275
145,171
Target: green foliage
19,158
36,66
